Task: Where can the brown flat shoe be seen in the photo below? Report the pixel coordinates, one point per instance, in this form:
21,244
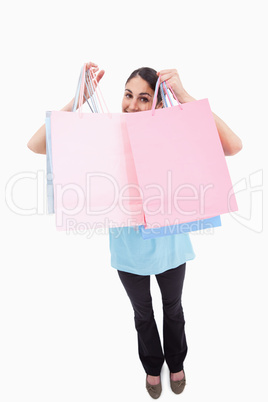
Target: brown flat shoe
154,390
178,386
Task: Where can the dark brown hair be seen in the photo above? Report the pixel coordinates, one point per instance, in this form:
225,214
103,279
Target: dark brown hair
149,75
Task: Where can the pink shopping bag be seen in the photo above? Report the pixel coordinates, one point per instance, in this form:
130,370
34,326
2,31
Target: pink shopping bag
180,164
93,168
94,177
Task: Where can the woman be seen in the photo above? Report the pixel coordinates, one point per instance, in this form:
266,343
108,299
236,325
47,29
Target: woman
136,259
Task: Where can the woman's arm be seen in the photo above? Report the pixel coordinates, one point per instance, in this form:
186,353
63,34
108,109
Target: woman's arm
231,143
37,143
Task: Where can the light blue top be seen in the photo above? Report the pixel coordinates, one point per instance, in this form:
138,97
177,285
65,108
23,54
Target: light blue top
131,253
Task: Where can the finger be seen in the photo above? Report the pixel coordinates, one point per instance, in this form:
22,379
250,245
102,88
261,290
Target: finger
93,79
166,71
91,82
91,64
92,67
100,75
93,70
166,76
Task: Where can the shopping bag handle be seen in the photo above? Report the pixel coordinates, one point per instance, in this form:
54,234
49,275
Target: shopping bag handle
163,87
86,79
81,83
76,97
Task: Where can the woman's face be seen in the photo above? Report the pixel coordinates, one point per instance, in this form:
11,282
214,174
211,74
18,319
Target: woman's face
138,96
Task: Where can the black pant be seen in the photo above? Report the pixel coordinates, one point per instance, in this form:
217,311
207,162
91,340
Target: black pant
150,349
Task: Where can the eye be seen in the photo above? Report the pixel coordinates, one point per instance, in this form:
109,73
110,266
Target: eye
127,95
145,100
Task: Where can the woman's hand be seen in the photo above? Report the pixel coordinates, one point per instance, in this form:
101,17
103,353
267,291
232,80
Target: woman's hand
94,68
172,77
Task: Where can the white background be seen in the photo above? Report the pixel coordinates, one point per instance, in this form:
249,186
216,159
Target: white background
67,330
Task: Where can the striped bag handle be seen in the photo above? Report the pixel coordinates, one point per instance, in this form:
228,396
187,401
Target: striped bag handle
87,81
